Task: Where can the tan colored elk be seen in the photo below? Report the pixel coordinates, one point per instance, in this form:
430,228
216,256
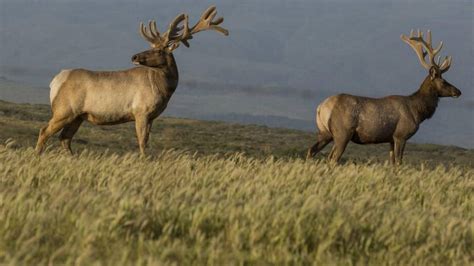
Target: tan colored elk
392,119
138,94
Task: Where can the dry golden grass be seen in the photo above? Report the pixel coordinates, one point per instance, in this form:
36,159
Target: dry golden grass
217,193
186,209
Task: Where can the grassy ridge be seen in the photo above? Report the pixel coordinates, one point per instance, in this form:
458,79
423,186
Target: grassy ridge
179,208
216,193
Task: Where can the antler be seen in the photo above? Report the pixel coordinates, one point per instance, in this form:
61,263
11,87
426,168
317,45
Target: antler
423,48
177,33
152,35
206,22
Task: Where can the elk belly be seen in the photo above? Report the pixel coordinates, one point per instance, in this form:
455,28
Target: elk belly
374,129
107,119
108,111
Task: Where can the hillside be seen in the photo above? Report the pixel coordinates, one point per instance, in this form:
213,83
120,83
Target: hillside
21,122
224,194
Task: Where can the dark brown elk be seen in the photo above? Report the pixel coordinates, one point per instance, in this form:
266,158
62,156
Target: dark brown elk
138,94
392,119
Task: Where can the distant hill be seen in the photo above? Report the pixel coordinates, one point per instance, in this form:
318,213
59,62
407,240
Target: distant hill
268,120
21,122
17,92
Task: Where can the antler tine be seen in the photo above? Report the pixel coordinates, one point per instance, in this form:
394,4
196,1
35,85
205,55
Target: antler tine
438,49
144,33
429,44
446,64
207,22
150,34
429,47
218,21
154,32
174,28
175,23
186,33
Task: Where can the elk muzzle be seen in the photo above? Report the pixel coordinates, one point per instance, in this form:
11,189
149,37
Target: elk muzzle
452,91
445,89
456,92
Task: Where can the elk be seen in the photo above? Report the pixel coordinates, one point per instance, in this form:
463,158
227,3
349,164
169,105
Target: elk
393,119
138,94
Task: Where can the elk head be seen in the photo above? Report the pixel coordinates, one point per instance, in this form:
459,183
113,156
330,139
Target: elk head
178,32
435,81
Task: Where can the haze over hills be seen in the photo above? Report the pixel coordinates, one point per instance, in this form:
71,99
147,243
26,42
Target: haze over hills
281,59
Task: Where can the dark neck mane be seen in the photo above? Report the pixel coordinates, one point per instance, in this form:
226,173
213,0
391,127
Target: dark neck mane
164,79
424,101
172,69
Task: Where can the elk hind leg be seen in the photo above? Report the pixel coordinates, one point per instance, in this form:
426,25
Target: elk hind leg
68,133
338,148
53,126
322,139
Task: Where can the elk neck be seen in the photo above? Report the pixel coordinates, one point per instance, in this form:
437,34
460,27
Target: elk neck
172,69
165,79
424,101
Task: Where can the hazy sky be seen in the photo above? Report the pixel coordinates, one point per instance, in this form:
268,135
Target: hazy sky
281,58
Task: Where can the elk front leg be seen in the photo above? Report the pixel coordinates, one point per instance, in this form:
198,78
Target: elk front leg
321,141
392,153
142,126
399,147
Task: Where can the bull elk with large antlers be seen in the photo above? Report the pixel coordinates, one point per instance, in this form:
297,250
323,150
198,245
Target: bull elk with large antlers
392,119
138,94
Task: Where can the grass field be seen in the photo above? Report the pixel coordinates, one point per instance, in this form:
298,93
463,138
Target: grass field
216,193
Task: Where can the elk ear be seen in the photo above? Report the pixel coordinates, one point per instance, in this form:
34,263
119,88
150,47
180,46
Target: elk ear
433,72
172,46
